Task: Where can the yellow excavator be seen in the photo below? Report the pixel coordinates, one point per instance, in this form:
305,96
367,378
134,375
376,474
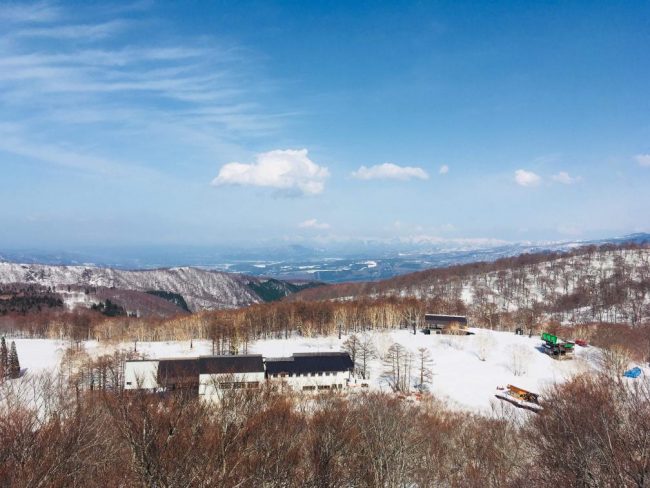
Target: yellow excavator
520,398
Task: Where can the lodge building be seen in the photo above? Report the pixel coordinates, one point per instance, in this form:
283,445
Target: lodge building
208,376
311,371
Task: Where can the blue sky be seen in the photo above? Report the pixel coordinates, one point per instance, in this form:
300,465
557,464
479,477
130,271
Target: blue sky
208,123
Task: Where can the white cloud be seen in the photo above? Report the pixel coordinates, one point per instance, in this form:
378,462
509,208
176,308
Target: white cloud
313,224
527,178
390,171
444,169
643,160
289,170
566,179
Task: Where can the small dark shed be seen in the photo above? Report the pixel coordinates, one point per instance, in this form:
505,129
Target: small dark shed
445,323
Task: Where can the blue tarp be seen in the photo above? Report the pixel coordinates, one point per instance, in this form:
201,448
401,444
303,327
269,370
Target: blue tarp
633,373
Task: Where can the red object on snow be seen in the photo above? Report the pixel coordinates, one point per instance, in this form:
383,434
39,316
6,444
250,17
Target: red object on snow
582,342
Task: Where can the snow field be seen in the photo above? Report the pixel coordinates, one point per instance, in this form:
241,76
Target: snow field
466,369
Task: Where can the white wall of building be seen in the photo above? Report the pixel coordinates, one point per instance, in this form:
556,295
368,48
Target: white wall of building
143,375
140,375
210,385
299,382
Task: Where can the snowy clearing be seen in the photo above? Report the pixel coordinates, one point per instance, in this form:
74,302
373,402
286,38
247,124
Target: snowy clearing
460,377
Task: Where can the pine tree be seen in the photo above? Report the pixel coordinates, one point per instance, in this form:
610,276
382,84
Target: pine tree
4,359
14,363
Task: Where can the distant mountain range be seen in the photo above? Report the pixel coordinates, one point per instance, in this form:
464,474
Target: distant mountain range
358,261
200,289
167,291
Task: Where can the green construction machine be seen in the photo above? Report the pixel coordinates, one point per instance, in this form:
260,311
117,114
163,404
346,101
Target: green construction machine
557,348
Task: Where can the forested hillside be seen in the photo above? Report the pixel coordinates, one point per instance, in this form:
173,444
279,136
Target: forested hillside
589,284
199,289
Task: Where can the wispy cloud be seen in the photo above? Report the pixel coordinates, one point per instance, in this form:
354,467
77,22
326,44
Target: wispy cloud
87,32
527,178
643,160
313,224
63,73
444,169
25,12
14,142
565,178
289,170
390,171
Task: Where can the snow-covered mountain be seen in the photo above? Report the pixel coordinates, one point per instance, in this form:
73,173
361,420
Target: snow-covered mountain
201,289
334,262
588,284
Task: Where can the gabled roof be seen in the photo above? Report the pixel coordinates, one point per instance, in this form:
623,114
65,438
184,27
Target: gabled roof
249,363
310,363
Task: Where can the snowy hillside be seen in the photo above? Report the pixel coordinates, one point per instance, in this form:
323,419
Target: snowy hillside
201,289
460,376
588,284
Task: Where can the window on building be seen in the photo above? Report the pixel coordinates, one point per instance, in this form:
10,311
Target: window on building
128,383
308,388
323,387
320,373
327,373
254,384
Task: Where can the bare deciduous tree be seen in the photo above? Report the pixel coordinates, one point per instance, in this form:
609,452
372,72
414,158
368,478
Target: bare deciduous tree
398,363
424,365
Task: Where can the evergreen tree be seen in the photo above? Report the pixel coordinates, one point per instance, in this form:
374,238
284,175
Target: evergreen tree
4,359
14,363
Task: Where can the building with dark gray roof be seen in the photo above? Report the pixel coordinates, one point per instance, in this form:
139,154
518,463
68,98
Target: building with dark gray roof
311,371
310,363
211,375
445,323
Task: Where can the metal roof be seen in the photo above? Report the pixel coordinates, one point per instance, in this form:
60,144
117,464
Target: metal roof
185,368
310,363
445,319
250,363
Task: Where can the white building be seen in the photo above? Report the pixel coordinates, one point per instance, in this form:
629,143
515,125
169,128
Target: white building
209,376
205,374
311,371
219,373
